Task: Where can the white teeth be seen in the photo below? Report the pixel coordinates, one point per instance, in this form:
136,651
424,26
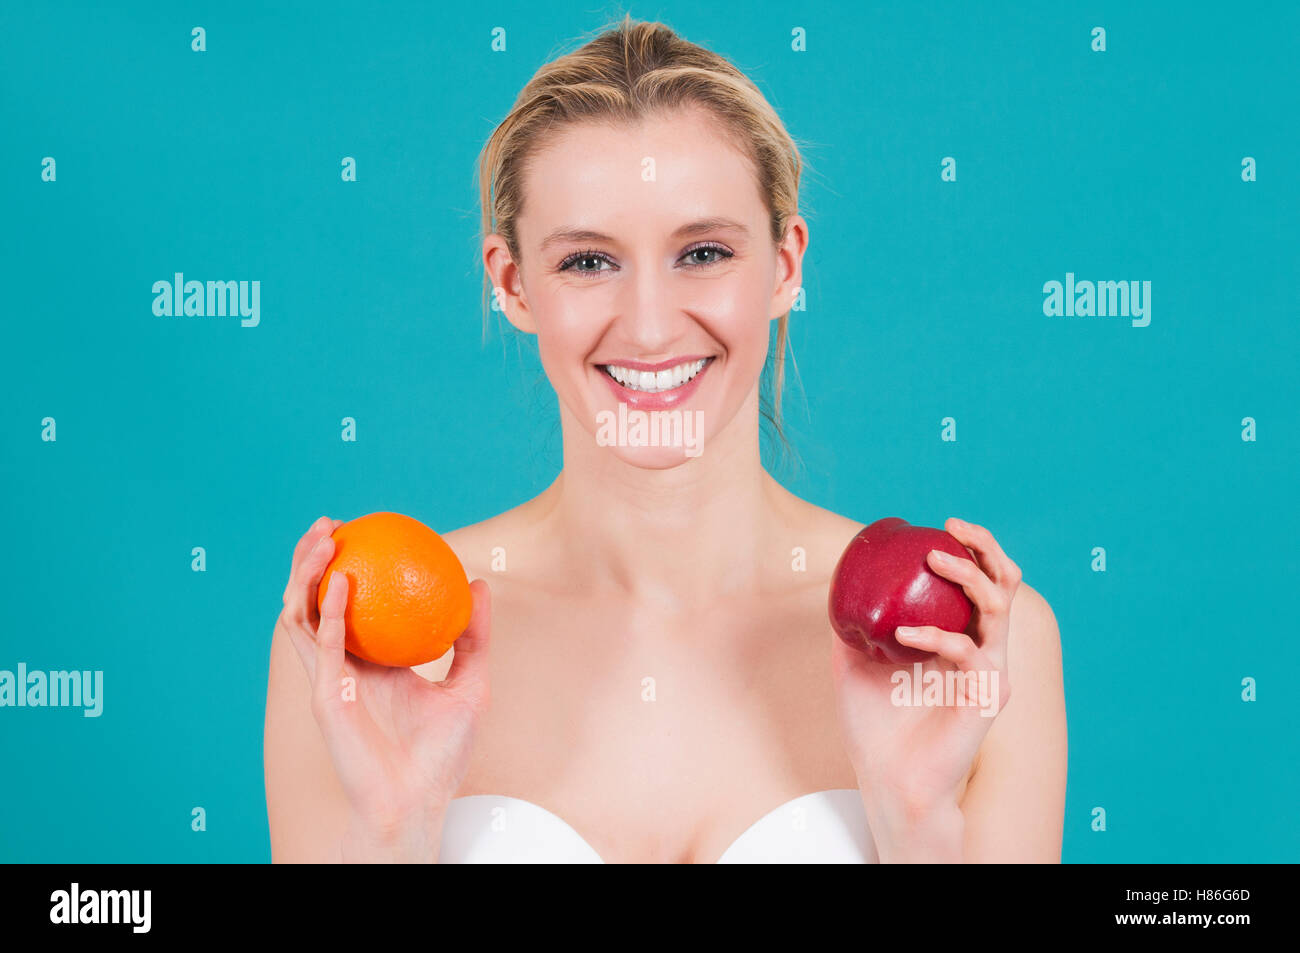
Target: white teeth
654,382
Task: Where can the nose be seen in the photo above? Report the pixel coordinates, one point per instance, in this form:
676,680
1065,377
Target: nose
647,314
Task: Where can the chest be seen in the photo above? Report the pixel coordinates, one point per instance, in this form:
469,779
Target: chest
658,737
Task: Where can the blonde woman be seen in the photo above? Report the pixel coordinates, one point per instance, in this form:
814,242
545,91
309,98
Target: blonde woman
649,681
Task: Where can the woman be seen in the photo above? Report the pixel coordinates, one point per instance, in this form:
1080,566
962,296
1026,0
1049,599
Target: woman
664,682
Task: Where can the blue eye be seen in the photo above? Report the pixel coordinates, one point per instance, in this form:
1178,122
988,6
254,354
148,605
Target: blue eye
584,256
722,253
592,256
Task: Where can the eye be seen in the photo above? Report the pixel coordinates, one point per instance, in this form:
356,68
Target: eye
721,252
588,262
585,258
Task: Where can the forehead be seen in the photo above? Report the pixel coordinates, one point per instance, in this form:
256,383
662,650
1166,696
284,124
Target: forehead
654,173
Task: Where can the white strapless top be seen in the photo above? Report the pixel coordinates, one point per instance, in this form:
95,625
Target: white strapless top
826,827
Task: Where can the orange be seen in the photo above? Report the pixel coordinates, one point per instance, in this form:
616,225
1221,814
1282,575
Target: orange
408,595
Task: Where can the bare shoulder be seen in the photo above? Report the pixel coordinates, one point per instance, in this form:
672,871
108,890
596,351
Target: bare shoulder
481,546
1035,638
822,533
1034,664
470,545
836,530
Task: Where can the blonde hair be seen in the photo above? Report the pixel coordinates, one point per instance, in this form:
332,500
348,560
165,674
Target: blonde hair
627,72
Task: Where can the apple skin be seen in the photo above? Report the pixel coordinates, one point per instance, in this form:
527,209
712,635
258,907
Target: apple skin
884,580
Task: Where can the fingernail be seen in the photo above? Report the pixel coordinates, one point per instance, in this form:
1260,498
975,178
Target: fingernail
906,631
940,555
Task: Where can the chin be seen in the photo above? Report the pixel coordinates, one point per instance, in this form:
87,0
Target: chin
652,458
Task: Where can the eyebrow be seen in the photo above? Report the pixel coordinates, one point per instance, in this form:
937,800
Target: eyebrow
574,235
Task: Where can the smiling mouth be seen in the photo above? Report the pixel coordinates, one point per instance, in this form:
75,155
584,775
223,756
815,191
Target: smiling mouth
656,382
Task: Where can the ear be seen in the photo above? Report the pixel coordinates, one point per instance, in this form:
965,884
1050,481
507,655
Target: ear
789,265
507,285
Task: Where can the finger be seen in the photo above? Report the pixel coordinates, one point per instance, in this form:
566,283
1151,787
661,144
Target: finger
990,598
468,674
338,716
995,562
308,540
982,679
959,649
331,633
956,647
306,543
300,595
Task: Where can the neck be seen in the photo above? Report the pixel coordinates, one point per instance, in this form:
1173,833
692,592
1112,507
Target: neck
677,537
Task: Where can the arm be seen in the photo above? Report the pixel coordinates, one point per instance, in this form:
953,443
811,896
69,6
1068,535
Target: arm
1014,803
305,804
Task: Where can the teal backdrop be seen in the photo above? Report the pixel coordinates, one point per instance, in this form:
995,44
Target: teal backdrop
925,301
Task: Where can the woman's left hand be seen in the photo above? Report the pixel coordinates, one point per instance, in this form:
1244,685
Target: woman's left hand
911,759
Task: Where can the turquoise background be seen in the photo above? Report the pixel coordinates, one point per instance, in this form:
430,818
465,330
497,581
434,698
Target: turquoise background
924,301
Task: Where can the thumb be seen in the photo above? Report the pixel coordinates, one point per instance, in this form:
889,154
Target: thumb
468,674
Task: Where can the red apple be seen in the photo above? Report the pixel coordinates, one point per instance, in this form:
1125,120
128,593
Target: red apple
883,580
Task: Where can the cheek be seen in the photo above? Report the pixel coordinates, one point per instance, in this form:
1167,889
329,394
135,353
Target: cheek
566,336
737,315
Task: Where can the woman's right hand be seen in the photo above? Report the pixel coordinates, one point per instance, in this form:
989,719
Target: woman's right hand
399,743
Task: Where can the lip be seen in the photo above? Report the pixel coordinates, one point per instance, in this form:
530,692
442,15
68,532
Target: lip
665,400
